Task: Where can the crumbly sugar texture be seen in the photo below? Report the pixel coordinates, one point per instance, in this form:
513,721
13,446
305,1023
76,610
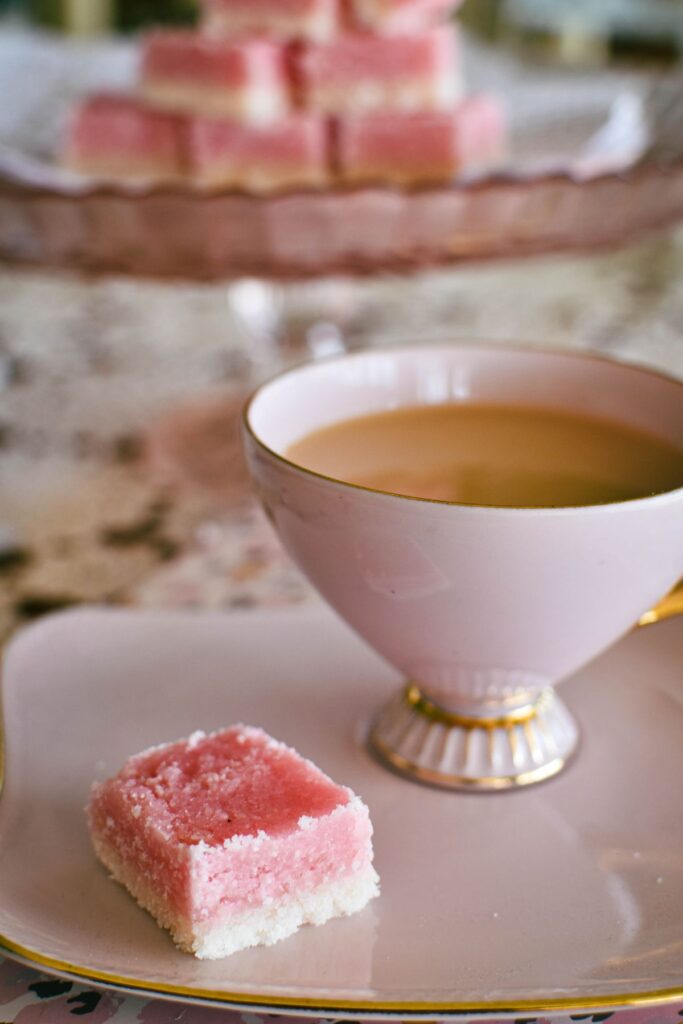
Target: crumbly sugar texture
233,840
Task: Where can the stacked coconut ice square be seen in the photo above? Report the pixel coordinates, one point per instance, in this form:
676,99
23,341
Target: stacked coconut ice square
276,94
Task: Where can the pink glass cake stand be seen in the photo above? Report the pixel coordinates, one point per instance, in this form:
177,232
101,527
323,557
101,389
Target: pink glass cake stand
595,160
181,232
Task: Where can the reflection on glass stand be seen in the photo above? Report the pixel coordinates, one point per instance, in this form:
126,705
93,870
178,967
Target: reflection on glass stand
288,323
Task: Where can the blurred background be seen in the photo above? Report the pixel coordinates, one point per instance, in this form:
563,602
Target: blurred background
572,31
120,467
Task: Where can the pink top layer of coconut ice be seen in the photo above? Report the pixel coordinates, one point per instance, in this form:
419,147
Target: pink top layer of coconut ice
107,123
355,56
200,60
238,782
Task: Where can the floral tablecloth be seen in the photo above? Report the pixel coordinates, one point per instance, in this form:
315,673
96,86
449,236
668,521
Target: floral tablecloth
27,997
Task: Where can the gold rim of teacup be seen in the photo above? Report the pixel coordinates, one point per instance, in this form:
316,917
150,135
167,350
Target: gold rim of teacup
445,347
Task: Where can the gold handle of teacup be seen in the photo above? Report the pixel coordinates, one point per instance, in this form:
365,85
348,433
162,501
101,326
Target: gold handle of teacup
669,606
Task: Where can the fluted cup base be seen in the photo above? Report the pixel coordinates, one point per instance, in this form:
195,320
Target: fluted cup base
495,751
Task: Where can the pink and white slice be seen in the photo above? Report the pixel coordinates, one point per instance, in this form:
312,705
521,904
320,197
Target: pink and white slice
282,19
118,137
291,153
409,149
359,72
190,73
233,840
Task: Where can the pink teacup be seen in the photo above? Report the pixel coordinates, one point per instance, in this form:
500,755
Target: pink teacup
482,609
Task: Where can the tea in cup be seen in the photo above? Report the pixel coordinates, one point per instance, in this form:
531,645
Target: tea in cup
489,520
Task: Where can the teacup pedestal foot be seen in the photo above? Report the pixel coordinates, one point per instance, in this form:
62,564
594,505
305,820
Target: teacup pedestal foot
498,750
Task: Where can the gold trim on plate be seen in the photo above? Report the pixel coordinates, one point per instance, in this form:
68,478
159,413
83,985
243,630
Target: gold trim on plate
626,1001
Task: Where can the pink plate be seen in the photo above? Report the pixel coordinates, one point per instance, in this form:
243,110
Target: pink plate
567,896
177,232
